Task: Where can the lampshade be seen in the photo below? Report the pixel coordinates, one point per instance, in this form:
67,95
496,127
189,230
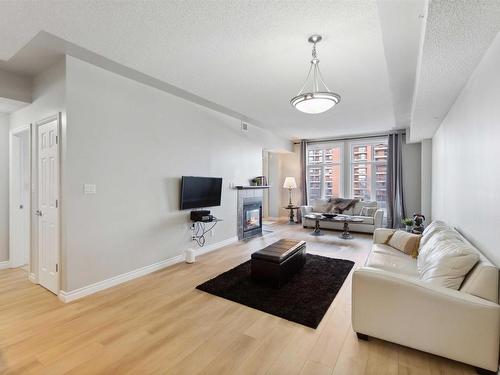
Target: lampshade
290,183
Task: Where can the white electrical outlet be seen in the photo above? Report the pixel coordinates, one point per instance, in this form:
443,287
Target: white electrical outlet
89,189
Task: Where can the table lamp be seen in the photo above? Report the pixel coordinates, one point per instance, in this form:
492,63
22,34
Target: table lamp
290,184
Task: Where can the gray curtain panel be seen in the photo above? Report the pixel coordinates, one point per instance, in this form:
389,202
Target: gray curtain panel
303,175
303,170
395,194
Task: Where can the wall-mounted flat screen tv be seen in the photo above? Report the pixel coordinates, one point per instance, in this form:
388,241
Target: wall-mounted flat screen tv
200,192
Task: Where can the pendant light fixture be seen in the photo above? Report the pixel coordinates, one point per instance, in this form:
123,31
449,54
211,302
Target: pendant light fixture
320,98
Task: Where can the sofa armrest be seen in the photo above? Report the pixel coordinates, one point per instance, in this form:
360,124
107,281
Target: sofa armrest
305,210
381,235
378,218
411,312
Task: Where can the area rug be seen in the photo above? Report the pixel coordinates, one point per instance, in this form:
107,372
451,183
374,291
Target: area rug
304,299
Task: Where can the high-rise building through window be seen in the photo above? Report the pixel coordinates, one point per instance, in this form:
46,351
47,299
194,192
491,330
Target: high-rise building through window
349,169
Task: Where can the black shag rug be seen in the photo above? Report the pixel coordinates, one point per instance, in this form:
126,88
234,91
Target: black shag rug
304,299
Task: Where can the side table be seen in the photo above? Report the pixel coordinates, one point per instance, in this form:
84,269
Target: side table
291,217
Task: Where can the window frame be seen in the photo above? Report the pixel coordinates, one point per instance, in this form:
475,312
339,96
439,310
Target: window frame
346,165
373,182
322,146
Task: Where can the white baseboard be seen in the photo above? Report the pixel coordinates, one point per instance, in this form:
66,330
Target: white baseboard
113,281
33,278
4,265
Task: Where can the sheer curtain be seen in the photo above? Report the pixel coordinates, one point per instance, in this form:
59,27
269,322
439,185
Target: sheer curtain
395,195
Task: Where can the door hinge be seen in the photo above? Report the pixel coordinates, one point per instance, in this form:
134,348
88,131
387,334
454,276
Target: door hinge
57,139
57,267
57,203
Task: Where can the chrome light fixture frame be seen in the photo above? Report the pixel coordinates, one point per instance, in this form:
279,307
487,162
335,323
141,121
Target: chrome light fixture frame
325,93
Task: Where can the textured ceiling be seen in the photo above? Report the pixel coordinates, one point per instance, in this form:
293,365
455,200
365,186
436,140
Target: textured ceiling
251,57
457,35
248,58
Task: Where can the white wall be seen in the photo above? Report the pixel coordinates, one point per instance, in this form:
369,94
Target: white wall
135,142
4,187
48,100
465,159
290,167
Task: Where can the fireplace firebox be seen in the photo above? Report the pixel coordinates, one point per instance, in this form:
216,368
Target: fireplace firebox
252,219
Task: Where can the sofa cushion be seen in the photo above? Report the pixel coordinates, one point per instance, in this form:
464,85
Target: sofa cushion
366,220
433,228
447,262
405,242
432,239
356,210
321,205
386,258
368,211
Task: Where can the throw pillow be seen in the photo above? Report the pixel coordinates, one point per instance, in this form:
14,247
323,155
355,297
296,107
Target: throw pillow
448,263
368,211
405,242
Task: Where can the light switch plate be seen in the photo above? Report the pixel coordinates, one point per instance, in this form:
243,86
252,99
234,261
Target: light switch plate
89,189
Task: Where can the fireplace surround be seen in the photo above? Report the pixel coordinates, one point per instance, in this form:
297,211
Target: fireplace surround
249,213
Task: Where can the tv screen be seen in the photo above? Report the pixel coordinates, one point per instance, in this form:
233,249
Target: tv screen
199,192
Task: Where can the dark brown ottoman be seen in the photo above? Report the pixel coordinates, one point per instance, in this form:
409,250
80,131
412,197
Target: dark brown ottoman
275,264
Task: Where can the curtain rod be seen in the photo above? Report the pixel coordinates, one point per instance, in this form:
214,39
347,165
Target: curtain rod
351,138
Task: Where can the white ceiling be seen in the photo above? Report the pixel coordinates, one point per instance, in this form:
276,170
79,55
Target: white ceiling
248,58
457,35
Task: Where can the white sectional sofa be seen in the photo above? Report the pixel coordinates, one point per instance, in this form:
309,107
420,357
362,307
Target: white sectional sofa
368,225
393,301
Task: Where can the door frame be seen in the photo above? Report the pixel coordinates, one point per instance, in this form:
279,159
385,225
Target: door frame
58,118
14,257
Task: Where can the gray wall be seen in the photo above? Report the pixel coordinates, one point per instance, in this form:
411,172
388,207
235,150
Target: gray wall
412,177
426,179
465,159
134,142
4,188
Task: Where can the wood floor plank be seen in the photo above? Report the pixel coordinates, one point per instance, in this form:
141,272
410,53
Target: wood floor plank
160,324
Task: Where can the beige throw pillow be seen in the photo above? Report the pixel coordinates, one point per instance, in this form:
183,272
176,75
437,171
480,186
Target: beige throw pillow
405,242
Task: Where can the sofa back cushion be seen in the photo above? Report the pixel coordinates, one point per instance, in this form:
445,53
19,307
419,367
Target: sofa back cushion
432,229
321,205
356,210
445,260
482,280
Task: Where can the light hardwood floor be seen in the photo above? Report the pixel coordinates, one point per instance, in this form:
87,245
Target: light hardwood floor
159,324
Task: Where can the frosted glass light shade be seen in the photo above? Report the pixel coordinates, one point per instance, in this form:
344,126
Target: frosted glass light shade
315,102
290,183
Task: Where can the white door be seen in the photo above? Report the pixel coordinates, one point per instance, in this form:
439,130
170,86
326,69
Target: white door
19,200
48,206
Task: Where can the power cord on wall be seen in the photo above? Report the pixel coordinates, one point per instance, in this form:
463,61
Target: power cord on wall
199,231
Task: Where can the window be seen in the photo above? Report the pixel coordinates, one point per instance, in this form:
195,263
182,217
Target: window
363,162
324,170
369,171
